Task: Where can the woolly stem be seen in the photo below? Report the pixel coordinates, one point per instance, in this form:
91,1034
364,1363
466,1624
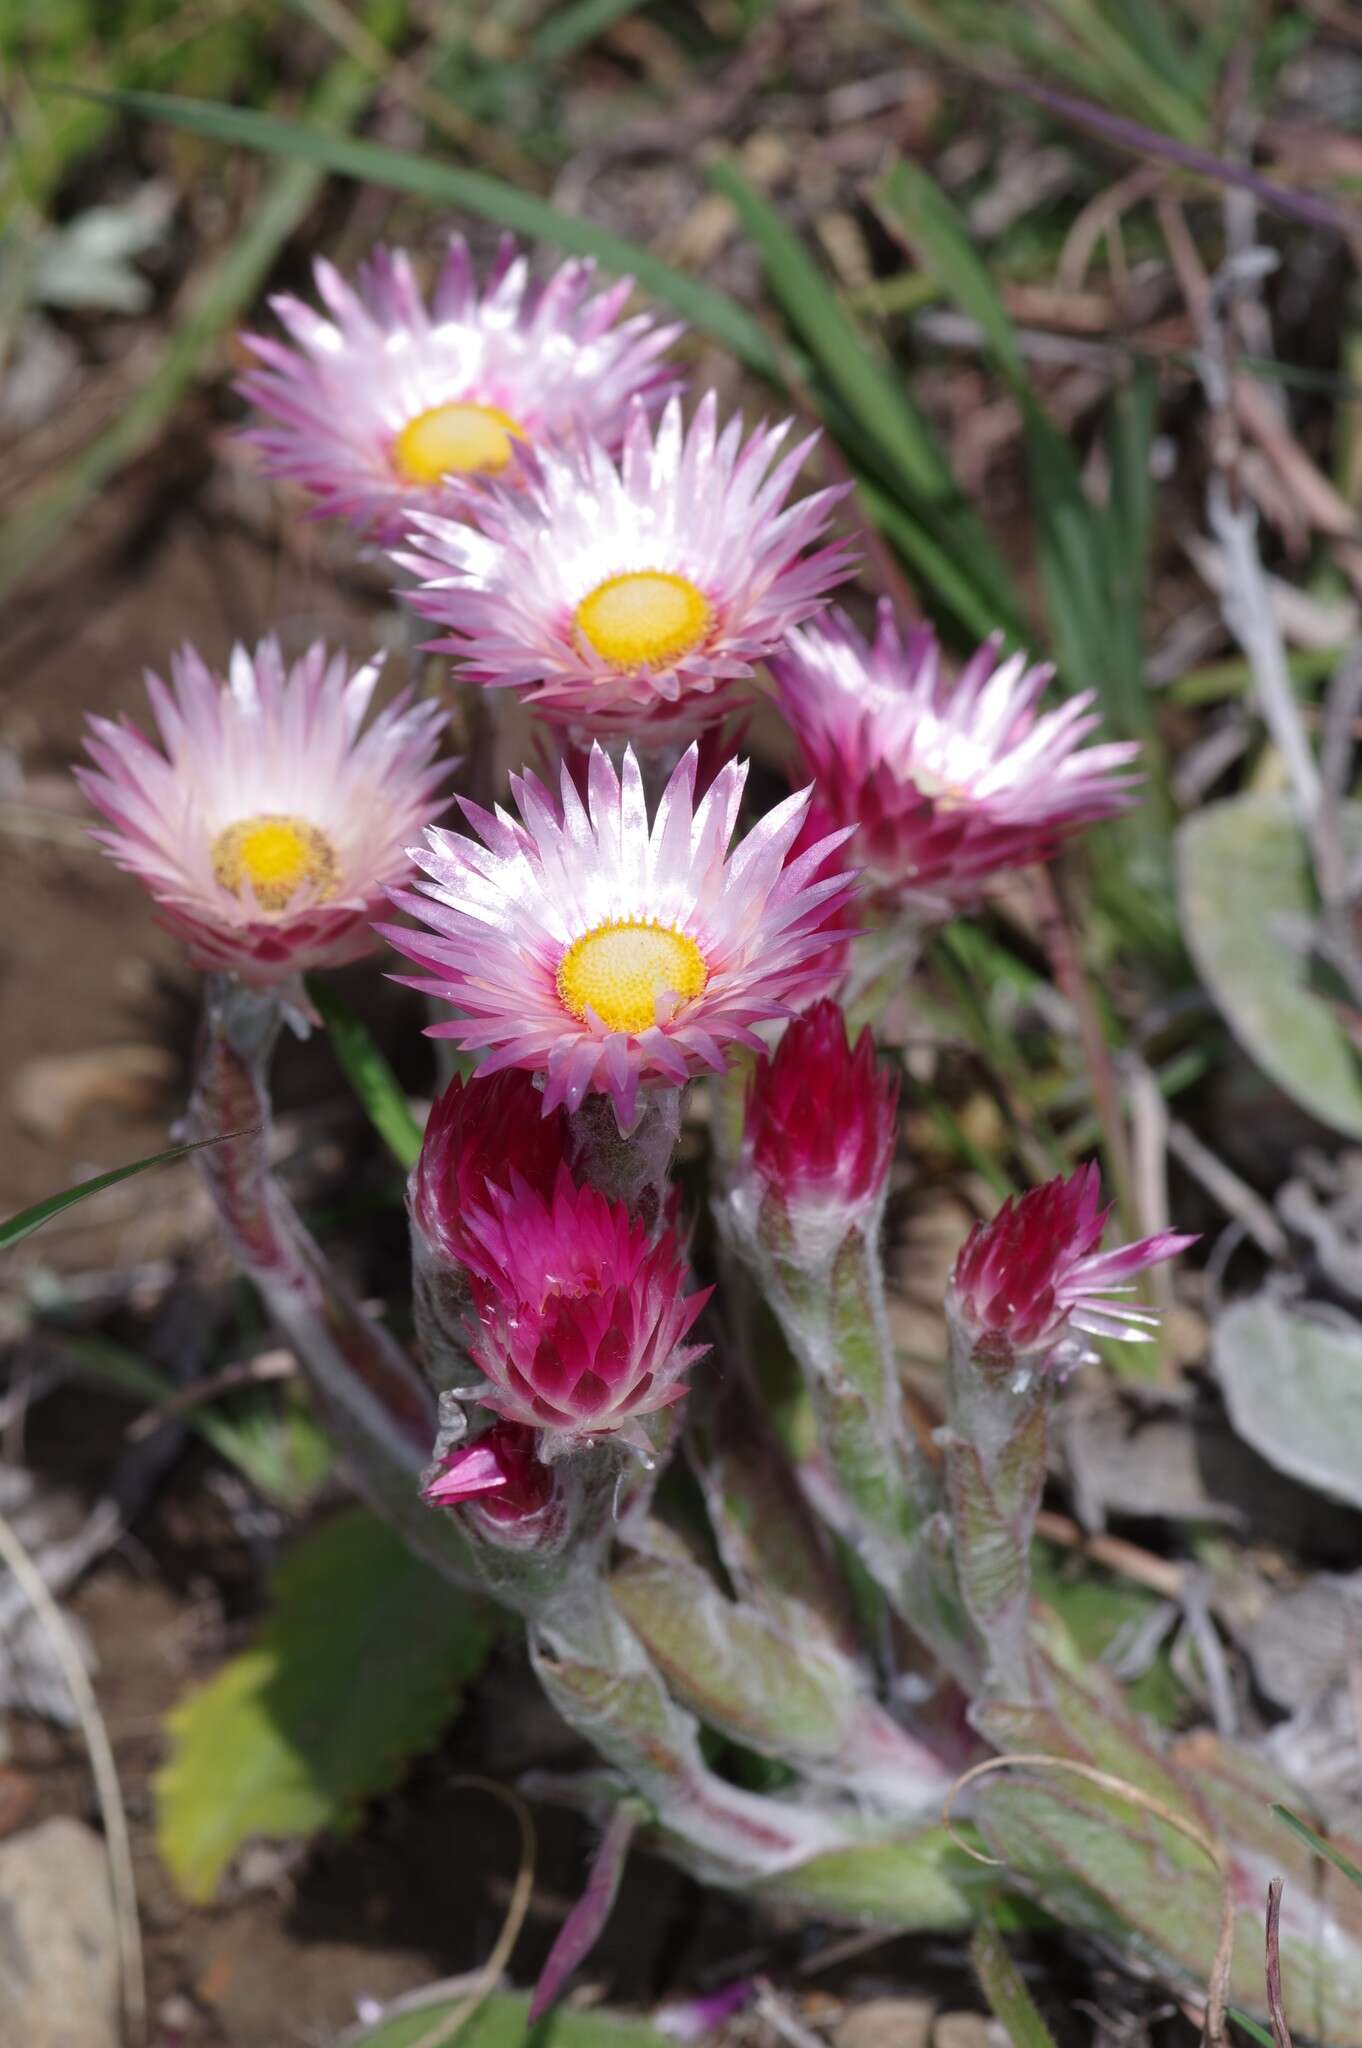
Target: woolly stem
995,1446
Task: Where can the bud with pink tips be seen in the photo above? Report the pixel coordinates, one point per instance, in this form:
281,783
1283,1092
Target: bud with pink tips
948,781
821,1116
1024,1282
500,1474
581,1321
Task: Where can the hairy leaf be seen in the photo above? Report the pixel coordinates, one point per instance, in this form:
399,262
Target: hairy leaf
358,1667
1247,905
1293,1387
503,2021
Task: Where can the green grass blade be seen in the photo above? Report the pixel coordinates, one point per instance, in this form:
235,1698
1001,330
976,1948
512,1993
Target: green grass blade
369,1074
475,191
1319,1845
28,1220
571,28
225,294
908,454
1251,2027
1001,1982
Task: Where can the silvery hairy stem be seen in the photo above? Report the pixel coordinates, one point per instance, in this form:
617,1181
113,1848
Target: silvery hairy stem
632,1168
827,1292
994,1446
372,1398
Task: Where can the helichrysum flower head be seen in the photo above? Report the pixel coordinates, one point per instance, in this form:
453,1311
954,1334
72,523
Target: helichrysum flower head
581,1324
603,949
1024,1282
500,1471
376,409
632,598
271,820
821,1116
480,1134
947,781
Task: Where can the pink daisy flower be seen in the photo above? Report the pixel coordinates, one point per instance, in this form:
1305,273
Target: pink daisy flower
1035,1273
947,782
633,598
581,1326
270,821
605,950
376,408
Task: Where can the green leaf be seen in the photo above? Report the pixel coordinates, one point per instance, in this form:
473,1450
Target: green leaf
447,185
1319,1845
919,1881
358,1667
1247,904
1293,1387
503,2021
1007,1995
369,1074
29,1220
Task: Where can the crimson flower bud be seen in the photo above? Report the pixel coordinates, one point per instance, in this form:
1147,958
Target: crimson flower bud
821,1115
1024,1281
500,1471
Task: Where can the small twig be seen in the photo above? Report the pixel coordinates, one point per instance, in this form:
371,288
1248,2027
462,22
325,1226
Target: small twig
1281,2033
1217,1987
1224,1186
122,1880
248,1372
447,2029
1160,1574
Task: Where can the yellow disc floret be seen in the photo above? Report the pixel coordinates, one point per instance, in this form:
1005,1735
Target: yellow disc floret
275,856
455,440
646,619
619,970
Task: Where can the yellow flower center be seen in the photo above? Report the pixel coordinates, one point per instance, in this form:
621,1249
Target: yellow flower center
277,855
645,619
619,970
455,440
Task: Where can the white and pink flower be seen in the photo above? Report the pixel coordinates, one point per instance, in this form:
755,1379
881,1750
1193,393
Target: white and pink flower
947,781
387,405
604,950
271,821
632,598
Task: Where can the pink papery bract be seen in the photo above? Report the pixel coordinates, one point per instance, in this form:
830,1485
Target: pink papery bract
948,782
479,1135
504,914
1023,1281
500,1471
267,740
557,361
581,1326
693,503
821,1115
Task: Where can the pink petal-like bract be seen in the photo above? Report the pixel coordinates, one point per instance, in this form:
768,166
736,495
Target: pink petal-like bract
582,1325
271,821
821,1115
1023,1281
479,1135
697,510
550,359
948,781
607,950
500,1470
